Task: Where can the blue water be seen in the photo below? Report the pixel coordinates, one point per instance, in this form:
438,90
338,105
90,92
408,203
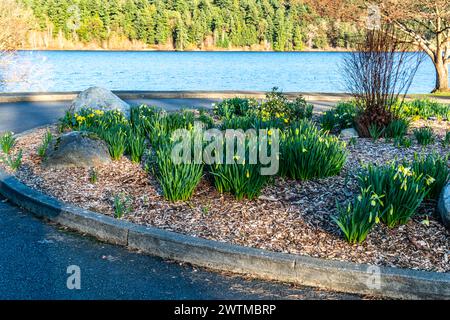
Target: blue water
77,70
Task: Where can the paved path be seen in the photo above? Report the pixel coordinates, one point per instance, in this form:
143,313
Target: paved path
35,255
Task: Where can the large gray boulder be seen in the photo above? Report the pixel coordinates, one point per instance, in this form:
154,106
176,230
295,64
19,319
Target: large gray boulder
99,99
444,205
77,149
349,133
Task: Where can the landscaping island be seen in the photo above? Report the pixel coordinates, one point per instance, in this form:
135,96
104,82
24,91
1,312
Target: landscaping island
294,212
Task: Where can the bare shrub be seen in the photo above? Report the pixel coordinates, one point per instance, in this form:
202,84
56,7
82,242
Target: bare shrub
379,73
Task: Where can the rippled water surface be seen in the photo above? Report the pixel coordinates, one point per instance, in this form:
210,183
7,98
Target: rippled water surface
77,70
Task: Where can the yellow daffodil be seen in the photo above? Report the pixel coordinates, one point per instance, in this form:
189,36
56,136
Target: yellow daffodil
80,119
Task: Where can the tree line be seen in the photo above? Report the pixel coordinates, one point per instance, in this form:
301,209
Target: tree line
281,25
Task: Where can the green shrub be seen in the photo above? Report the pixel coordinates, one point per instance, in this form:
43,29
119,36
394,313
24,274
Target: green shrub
424,136
359,217
162,125
446,141
328,121
278,107
136,145
300,109
398,128
179,120
46,140
433,167
423,109
234,107
375,131
122,205
244,123
341,117
352,141
157,130
402,188
67,121
88,119
206,119
116,138
241,178
178,180
13,162
404,142
251,122
93,176
7,142
307,152
141,117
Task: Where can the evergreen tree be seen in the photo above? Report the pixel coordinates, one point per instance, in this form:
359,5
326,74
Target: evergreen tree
283,24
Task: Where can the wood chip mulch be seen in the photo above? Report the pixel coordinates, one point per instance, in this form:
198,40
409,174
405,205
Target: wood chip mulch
290,216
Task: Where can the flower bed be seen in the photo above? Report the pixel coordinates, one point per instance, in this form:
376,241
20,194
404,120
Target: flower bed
289,216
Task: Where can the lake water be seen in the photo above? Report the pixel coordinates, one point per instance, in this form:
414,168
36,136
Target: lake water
77,70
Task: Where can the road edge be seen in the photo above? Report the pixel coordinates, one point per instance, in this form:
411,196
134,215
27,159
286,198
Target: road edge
315,272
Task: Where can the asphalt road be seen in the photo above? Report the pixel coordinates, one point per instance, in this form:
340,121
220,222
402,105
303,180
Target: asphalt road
27,115
22,116
35,255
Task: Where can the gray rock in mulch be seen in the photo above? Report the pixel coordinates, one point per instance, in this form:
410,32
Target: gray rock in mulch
99,99
444,205
77,149
349,133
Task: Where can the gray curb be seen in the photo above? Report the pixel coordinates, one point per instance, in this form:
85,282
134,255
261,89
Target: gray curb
326,274
197,94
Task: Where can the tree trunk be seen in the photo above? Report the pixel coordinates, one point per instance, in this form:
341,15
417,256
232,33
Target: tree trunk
441,76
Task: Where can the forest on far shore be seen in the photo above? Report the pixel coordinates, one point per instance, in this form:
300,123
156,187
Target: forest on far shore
280,25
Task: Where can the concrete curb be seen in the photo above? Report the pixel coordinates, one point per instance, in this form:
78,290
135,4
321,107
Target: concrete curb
68,96
326,274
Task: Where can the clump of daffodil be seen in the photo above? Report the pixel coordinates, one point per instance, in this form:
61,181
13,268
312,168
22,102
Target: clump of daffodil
307,152
402,187
359,217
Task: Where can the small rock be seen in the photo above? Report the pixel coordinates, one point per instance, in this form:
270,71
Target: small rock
77,149
267,198
444,205
99,99
349,133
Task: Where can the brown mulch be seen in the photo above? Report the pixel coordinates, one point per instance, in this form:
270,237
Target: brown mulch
291,216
